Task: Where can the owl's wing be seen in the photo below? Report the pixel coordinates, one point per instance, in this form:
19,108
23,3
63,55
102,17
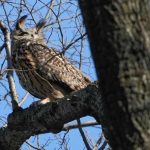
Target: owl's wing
57,69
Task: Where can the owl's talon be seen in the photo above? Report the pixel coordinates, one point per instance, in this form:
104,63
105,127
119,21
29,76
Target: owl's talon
40,102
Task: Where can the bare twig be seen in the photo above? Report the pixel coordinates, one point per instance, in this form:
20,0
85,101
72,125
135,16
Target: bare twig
76,40
99,141
23,99
49,10
63,142
2,47
32,146
30,11
83,135
103,146
9,65
6,15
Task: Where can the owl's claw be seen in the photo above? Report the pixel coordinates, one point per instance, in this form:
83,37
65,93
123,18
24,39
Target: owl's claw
40,102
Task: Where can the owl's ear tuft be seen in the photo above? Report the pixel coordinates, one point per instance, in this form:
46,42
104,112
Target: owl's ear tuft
41,24
20,22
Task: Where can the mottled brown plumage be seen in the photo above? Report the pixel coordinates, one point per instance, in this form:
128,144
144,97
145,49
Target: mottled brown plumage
41,70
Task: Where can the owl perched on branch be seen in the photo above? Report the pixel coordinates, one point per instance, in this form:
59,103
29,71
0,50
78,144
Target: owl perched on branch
42,71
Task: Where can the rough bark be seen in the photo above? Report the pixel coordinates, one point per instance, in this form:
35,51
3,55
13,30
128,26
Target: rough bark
119,35
49,117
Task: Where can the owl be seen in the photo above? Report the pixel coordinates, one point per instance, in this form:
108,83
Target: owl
42,71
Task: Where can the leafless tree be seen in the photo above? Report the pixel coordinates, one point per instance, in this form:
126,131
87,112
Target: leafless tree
118,32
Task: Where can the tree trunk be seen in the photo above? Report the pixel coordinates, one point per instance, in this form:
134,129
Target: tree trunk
119,35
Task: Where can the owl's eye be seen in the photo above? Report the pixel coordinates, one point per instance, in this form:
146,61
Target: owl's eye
23,33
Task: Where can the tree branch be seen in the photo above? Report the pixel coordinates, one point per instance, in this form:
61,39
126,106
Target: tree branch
49,117
85,124
2,47
83,135
9,66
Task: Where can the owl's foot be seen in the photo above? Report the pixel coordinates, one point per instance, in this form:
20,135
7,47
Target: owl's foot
40,102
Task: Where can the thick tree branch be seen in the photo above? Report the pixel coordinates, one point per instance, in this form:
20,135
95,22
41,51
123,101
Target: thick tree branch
50,117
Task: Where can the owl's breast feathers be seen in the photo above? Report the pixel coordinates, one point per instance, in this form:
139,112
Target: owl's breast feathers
44,72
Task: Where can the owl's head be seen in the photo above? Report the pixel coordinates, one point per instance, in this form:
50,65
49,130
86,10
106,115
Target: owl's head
32,34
